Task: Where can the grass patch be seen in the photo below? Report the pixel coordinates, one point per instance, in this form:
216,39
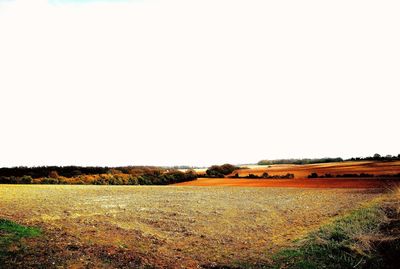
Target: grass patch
11,233
351,241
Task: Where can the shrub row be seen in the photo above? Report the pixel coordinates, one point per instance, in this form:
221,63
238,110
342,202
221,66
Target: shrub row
266,176
299,161
145,178
216,171
75,171
375,157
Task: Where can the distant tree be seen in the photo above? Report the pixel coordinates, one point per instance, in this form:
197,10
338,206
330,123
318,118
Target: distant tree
26,180
49,181
53,174
300,161
220,170
377,156
129,175
114,171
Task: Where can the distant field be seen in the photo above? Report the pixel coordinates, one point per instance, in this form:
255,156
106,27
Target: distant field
301,173
294,183
165,227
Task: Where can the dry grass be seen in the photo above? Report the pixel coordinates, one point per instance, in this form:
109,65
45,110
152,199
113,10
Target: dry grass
113,226
368,237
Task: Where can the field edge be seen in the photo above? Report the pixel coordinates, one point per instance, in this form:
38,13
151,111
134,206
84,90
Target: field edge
368,237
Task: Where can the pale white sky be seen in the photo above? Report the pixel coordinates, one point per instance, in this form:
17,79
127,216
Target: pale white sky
197,82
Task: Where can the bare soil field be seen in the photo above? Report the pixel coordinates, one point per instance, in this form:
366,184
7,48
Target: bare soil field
301,173
294,183
165,226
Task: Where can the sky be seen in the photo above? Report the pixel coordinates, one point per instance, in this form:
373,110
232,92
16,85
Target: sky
181,82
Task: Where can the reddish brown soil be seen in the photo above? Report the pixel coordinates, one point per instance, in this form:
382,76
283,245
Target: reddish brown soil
378,169
166,227
302,171
294,183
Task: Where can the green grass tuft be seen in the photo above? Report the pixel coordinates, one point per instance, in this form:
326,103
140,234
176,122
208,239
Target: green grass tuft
11,232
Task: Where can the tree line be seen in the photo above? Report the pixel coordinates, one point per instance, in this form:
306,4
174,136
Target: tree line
265,176
353,175
300,161
130,175
375,157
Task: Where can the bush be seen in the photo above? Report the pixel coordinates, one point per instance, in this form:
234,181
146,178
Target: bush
220,170
26,180
128,176
133,180
266,176
49,180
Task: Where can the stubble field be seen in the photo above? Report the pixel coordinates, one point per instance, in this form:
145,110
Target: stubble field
168,226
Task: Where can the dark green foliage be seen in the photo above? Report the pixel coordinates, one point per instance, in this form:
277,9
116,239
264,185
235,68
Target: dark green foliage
220,170
45,171
170,177
376,157
148,178
121,176
286,176
49,180
266,176
26,180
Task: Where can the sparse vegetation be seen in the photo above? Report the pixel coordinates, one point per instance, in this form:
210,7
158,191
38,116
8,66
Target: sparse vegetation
351,241
11,233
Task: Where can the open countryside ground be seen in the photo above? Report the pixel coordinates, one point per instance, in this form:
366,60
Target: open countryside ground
296,183
336,168
168,226
377,168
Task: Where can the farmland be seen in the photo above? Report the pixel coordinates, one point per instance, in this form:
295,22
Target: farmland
203,223
302,171
380,175
165,226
